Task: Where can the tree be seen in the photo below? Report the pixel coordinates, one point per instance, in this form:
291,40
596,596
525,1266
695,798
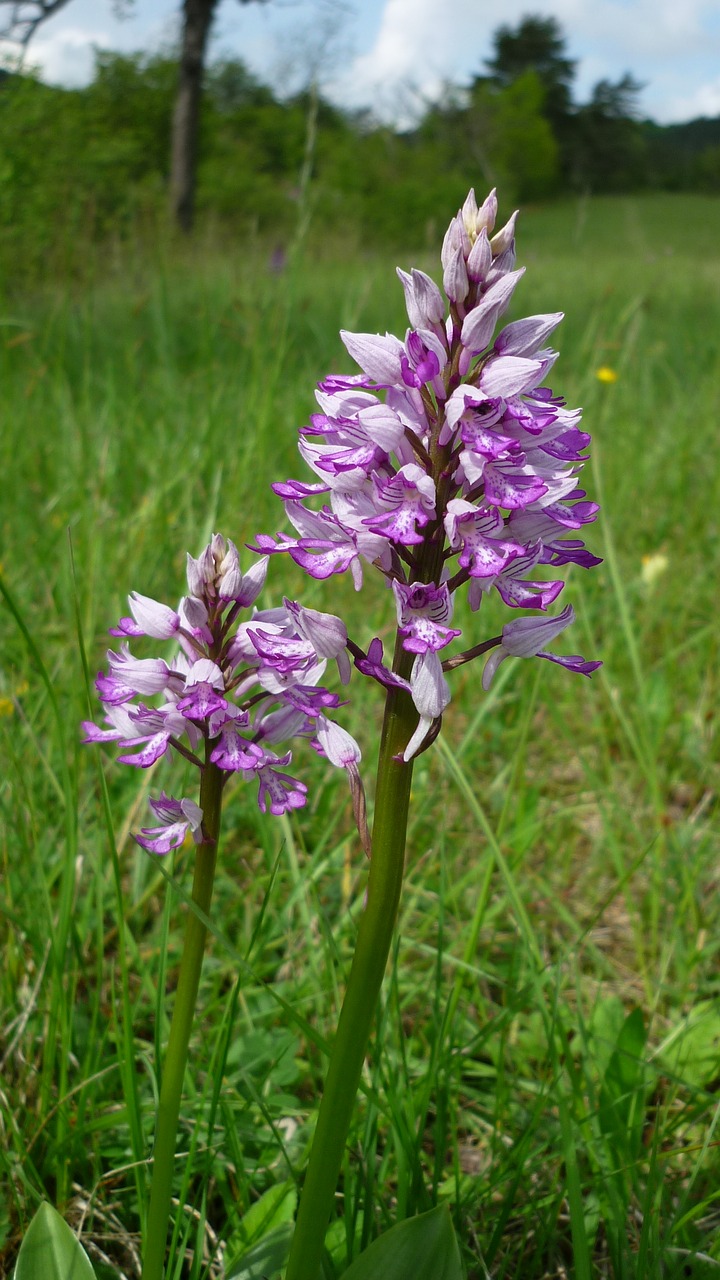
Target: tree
25,17
611,152
617,100
502,131
196,23
536,44
197,20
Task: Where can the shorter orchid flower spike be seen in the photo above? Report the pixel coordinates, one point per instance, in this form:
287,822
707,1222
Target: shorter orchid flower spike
241,685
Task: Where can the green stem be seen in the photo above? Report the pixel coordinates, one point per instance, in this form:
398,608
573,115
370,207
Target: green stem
366,974
180,1028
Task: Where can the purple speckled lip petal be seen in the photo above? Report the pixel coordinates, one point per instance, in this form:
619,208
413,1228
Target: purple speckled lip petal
423,612
127,628
163,838
279,792
234,753
149,754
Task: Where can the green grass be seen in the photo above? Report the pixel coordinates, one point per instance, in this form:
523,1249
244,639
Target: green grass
550,1030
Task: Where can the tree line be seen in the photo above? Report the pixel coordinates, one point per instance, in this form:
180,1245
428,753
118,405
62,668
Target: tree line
79,165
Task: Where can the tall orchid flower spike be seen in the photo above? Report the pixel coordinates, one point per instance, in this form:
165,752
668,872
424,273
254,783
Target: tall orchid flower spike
447,464
237,690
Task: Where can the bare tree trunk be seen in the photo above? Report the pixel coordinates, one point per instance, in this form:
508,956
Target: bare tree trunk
197,19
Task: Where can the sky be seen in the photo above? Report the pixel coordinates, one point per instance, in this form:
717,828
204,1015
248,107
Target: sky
393,55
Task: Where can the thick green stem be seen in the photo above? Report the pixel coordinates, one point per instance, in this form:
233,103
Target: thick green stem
180,1028
366,974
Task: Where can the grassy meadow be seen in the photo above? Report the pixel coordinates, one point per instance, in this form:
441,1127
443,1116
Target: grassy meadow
550,1055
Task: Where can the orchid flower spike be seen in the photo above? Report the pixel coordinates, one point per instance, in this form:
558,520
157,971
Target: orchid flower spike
237,686
447,463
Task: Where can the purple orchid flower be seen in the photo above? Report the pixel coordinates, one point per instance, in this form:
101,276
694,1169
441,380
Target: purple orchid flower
177,818
526,638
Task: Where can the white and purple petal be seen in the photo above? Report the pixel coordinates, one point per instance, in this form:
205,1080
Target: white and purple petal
337,744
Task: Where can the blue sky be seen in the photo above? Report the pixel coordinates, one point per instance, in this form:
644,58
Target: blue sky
394,54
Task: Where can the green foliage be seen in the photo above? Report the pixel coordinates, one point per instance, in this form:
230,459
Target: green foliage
684,157
50,1251
266,1259
499,133
536,45
609,150
621,1113
262,1239
84,171
79,166
421,1248
513,131
706,170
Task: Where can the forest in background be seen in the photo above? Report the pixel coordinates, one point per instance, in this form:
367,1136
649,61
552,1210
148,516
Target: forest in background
81,166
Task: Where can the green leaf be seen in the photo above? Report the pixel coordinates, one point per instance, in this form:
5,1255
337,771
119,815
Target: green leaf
622,1095
50,1251
692,1050
422,1248
277,1205
265,1260
336,1241
605,1024
273,1211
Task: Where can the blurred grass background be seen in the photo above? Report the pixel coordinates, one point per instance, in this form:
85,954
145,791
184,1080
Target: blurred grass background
549,1058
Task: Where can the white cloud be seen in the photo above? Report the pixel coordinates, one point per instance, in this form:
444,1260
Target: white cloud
704,101
67,57
422,43
416,47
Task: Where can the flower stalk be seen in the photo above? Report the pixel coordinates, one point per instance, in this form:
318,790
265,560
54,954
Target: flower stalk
181,1026
372,948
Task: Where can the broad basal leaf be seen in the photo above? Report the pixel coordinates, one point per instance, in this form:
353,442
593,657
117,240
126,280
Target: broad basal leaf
50,1251
422,1248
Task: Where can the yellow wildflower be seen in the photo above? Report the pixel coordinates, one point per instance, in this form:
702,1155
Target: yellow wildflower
653,567
606,374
